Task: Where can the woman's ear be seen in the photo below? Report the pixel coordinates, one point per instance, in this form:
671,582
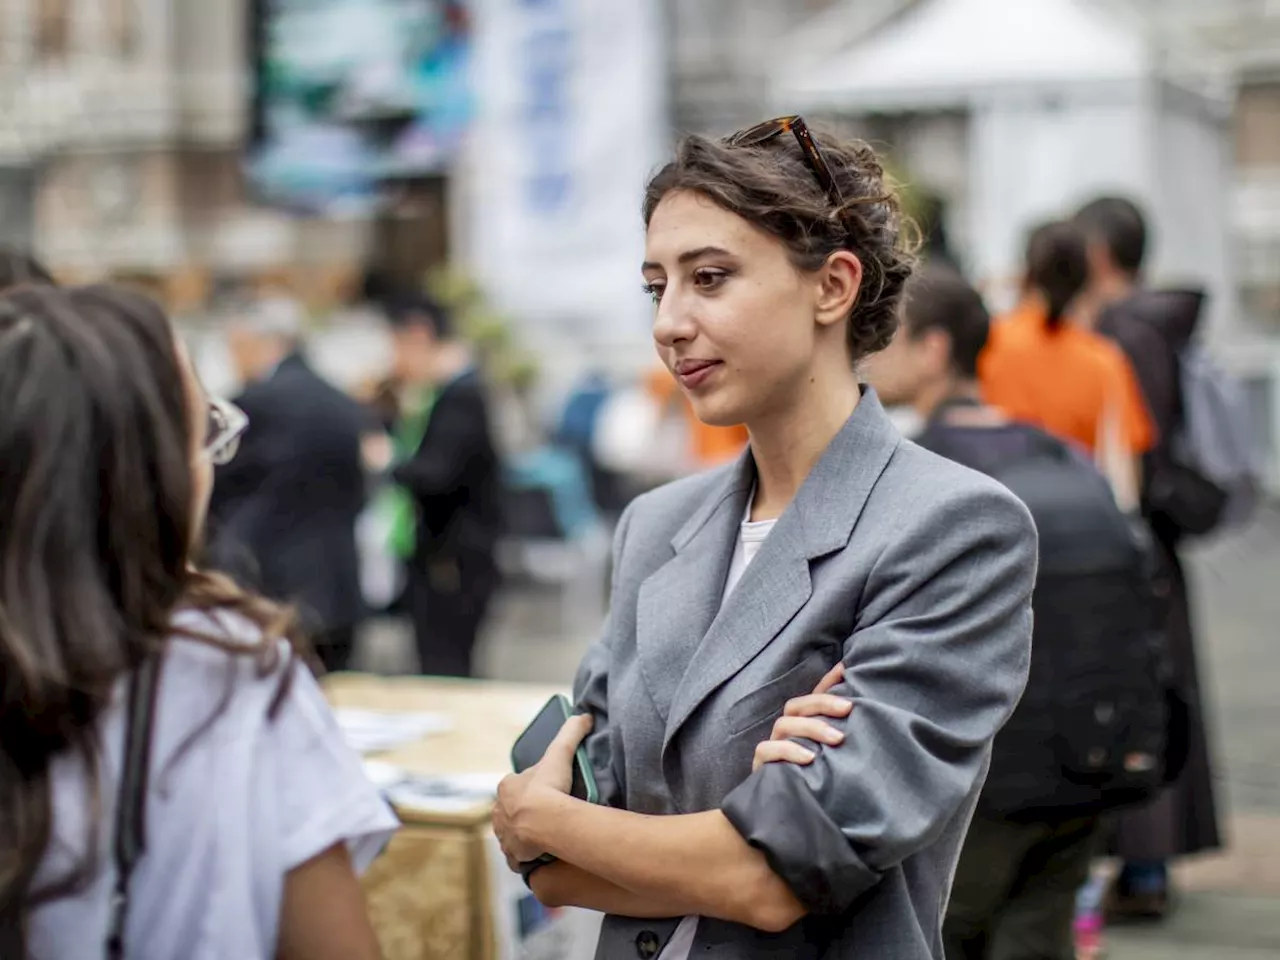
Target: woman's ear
839,280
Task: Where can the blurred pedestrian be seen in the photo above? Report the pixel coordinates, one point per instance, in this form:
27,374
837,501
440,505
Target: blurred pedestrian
1152,327
450,469
936,249
144,698
1041,367
1036,828
283,515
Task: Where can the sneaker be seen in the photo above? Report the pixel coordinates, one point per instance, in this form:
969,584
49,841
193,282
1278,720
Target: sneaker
1088,937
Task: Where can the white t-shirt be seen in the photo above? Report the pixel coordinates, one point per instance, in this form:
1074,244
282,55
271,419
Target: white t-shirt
251,798
751,538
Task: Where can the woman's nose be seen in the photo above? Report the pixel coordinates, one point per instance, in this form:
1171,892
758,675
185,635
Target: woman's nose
672,322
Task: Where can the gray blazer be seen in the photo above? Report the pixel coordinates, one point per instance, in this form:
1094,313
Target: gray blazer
913,570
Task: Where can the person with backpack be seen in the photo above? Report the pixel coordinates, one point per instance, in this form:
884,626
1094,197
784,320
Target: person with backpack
1199,478
1090,732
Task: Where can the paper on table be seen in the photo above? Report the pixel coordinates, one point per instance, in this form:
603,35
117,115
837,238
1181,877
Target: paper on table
452,793
372,731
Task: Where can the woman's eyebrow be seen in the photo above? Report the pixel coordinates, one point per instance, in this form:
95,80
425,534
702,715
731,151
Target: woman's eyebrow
689,256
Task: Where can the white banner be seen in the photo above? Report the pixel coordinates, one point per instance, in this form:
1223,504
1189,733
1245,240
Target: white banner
570,123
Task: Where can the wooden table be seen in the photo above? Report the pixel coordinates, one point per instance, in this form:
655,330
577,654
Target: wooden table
429,893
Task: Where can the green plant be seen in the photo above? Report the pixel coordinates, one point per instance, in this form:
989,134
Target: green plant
489,331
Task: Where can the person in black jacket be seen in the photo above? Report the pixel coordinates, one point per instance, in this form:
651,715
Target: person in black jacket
453,478
1152,327
283,513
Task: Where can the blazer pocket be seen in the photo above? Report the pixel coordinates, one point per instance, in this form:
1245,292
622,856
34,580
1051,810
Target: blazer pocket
767,702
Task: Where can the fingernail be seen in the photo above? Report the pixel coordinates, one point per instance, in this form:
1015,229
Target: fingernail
835,736
809,755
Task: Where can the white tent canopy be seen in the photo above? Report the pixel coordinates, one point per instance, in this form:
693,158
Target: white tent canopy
944,53
1064,102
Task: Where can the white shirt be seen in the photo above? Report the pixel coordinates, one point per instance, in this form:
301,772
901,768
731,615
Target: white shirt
751,537
251,798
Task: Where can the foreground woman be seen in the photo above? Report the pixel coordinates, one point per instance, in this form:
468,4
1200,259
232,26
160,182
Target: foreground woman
776,265
173,785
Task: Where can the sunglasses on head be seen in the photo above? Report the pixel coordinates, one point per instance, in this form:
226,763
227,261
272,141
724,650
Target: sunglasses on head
227,424
795,125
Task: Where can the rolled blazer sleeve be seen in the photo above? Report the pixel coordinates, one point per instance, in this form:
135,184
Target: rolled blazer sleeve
935,666
591,691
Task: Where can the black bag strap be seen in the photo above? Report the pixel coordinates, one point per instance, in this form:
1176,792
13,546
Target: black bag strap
131,799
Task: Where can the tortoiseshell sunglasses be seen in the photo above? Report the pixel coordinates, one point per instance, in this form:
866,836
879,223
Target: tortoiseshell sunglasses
771,129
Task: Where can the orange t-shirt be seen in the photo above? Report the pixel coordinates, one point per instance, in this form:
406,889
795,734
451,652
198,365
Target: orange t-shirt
1062,380
710,445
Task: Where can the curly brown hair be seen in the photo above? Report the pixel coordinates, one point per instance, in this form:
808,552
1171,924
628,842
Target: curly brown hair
771,185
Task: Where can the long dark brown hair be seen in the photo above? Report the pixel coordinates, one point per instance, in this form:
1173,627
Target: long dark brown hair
97,535
1057,267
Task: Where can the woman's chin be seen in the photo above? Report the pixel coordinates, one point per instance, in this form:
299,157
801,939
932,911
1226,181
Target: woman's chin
714,412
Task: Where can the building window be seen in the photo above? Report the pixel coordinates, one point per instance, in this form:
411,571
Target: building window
115,190
1257,123
1256,257
53,28
121,26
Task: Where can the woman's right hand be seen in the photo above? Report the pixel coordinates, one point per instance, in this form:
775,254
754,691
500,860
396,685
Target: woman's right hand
801,718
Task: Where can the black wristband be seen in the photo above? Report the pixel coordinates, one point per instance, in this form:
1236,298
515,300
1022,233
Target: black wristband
530,867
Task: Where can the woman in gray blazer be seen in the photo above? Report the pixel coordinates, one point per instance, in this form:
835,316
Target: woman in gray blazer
775,266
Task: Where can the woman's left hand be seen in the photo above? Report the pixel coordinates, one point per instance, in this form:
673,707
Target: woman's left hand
800,720
520,793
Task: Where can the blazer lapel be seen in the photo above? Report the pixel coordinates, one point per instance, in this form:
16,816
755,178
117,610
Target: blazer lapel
777,585
678,602
770,593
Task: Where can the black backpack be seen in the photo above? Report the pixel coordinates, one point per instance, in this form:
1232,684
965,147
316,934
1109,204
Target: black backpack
1092,730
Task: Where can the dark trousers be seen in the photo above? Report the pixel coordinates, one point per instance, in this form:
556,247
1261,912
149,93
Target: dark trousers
1015,889
448,602
335,647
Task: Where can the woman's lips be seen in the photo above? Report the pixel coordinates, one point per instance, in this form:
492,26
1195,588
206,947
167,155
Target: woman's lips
693,373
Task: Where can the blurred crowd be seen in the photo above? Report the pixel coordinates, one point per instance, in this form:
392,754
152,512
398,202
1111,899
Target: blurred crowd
396,499
1088,399
1089,359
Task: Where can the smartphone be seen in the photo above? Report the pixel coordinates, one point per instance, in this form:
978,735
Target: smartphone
533,743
